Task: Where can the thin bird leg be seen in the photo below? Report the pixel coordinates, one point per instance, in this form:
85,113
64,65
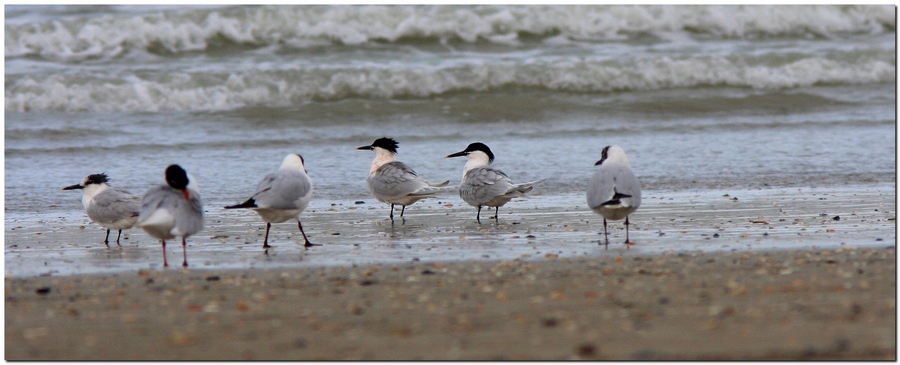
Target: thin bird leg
627,241
266,240
392,212
117,238
605,233
496,211
478,216
106,240
165,263
307,244
184,251
402,210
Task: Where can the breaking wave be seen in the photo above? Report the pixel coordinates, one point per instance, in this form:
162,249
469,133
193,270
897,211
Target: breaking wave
171,31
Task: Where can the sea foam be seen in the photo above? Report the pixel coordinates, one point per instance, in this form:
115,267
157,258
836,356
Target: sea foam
183,91
194,29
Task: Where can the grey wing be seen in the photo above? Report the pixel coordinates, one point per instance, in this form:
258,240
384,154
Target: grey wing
483,184
627,183
395,179
607,181
114,204
156,198
282,190
189,214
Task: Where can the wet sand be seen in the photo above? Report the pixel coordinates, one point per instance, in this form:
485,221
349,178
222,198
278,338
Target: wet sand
773,274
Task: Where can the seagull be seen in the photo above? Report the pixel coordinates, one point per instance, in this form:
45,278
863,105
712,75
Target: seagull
483,185
107,206
614,191
172,210
282,195
394,182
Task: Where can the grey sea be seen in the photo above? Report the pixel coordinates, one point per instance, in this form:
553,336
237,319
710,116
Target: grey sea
713,104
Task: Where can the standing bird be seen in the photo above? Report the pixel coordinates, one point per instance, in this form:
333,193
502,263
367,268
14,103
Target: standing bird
107,206
282,195
483,185
614,191
393,182
172,210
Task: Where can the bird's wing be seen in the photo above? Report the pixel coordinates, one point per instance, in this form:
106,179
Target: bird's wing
282,190
483,184
395,179
188,214
112,205
158,198
609,182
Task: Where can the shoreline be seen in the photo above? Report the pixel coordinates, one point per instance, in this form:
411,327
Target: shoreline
770,275
438,231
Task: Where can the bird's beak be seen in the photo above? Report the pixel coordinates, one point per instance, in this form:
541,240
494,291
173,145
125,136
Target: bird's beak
365,148
598,162
73,187
460,153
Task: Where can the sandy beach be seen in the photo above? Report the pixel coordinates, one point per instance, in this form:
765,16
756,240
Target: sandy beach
763,137
824,304
754,275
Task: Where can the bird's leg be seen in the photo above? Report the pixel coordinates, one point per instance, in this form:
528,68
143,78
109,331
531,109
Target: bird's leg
106,240
392,212
478,215
165,263
307,244
184,251
627,241
117,238
266,240
496,212
402,210
605,234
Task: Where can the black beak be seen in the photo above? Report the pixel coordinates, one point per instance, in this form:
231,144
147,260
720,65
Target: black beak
73,187
460,153
598,162
365,148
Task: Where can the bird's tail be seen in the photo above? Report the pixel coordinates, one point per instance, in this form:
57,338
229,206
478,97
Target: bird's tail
440,184
616,199
433,190
523,187
250,203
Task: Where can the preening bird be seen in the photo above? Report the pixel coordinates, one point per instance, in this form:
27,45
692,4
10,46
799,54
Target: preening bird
614,191
483,185
109,207
394,182
171,210
282,196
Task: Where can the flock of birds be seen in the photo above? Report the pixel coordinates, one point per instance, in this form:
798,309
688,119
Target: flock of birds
175,209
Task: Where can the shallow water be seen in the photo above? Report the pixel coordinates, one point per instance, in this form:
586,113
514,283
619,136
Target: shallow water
701,98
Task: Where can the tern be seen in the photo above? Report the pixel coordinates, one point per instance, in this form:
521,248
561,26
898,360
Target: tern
281,196
483,185
394,182
614,191
107,206
171,210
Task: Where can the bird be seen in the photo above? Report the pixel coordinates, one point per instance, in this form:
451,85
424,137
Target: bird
171,210
394,182
282,195
483,185
613,191
109,207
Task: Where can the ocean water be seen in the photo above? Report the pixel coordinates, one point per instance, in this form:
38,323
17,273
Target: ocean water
700,97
